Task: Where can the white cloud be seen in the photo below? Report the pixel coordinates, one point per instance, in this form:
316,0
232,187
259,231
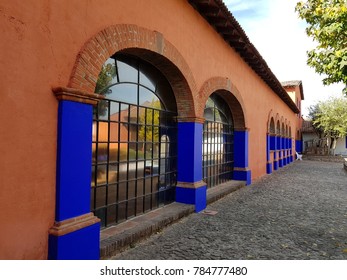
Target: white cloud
279,35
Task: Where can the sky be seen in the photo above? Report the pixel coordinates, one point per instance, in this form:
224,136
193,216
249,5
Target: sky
276,31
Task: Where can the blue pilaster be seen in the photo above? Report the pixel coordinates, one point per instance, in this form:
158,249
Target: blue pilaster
76,232
280,152
74,155
268,161
273,143
291,149
190,188
273,147
284,145
275,165
241,170
287,149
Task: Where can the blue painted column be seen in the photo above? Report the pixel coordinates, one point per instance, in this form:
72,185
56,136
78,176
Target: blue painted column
291,149
241,170
190,189
279,148
290,156
286,150
273,147
268,155
284,145
76,231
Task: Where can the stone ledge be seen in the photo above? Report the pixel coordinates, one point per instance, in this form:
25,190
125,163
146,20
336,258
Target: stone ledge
141,227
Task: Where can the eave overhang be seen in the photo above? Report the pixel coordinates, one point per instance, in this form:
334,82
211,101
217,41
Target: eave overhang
221,19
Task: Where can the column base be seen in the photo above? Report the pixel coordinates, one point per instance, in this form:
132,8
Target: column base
269,168
275,165
242,174
75,239
192,193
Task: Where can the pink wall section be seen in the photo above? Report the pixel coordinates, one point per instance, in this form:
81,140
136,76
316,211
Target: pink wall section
39,46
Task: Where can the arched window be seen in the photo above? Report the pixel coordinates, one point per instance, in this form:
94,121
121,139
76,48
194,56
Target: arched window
283,131
272,126
134,141
278,128
218,154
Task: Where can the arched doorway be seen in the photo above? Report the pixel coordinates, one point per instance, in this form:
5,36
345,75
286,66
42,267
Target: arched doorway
218,142
134,140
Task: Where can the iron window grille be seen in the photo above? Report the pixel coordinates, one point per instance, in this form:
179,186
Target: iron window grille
218,138
134,141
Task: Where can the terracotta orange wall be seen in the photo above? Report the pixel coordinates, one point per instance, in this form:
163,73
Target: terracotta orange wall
39,45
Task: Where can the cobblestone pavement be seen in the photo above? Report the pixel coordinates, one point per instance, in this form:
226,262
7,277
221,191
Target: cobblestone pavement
298,212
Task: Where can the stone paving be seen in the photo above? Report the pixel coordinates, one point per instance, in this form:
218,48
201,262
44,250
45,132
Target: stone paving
298,212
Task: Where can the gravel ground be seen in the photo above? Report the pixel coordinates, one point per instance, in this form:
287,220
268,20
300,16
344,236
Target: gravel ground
298,212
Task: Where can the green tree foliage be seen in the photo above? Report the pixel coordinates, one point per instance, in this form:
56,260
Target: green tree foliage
150,132
327,25
313,112
106,75
331,118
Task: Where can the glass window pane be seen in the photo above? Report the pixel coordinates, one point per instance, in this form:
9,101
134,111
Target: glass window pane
133,114
102,153
140,169
149,99
111,214
114,111
166,94
103,107
123,93
148,76
94,131
100,196
208,114
124,113
112,194
114,127
131,189
107,76
103,132
126,72
113,152
123,153
112,173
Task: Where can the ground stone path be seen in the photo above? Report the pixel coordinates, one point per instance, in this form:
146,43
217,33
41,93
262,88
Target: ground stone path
298,212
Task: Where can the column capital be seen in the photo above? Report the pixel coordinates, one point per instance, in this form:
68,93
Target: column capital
190,119
242,129
71,94
194,185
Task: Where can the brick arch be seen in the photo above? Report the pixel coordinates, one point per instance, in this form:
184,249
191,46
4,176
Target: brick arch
229,93
148,45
